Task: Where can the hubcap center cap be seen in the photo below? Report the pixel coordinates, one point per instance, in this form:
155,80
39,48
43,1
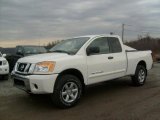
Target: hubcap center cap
69,92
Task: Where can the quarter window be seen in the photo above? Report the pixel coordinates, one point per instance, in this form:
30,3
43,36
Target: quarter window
114,45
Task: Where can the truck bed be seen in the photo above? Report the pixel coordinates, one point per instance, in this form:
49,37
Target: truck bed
134,56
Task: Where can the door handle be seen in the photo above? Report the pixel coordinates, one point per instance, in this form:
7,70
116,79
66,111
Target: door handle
110,57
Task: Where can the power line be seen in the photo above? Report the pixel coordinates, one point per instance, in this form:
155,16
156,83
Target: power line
146,28
142,26
141,31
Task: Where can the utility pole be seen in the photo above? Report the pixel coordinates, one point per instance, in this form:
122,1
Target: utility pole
123,32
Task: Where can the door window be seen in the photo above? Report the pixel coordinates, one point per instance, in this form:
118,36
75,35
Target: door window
102,44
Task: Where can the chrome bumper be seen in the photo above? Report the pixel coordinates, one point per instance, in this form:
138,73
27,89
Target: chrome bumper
21,82
36,84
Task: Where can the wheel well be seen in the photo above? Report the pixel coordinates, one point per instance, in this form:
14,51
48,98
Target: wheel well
74,72
143,63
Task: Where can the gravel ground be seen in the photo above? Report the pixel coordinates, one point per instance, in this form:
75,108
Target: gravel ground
112,100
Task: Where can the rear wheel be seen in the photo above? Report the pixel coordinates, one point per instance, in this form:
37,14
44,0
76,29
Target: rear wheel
140,76
67,92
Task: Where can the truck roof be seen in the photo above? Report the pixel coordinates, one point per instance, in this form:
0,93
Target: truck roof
92,36
29,46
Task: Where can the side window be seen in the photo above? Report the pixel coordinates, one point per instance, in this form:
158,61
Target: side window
102,44
114,44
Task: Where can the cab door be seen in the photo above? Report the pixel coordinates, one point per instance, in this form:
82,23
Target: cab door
102,63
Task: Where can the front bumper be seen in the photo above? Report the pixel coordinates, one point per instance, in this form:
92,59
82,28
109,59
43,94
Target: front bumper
4,70
36,84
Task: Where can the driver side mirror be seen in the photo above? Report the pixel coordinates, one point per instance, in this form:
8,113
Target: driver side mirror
92,50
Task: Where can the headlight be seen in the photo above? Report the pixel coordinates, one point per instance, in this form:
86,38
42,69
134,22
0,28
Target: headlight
44,67
4,62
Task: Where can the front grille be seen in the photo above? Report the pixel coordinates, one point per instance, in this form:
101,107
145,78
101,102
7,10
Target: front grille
0,63
23,67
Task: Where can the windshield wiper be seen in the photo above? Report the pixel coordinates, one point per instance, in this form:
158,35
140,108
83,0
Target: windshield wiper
61,51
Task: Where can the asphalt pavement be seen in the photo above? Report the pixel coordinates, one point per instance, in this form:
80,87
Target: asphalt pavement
111,100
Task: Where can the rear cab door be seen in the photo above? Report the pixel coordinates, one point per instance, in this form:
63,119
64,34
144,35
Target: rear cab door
109,63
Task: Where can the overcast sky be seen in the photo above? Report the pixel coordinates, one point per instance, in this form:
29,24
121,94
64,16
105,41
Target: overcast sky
40,21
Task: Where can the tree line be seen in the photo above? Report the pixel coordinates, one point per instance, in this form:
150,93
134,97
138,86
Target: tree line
51,44
147,43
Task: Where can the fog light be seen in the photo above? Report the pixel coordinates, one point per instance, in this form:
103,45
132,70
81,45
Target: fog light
36,86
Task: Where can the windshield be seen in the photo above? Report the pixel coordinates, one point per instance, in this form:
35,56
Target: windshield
34,50
0,54
70,46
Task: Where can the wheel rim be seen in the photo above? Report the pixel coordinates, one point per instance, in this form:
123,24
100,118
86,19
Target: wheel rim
69,92
142,75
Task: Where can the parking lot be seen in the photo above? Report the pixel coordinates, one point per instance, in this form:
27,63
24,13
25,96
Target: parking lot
113,100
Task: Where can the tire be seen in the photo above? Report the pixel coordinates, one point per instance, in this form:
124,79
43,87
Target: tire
140,76
67,91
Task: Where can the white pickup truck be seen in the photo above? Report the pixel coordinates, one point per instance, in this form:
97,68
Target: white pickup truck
4,67
78,62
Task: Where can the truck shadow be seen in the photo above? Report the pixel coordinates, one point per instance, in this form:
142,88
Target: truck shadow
92,92
108,87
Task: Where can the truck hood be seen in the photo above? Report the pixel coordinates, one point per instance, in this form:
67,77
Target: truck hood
43,57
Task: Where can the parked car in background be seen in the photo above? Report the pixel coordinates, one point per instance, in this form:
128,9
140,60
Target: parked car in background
78,62
22,51
4,66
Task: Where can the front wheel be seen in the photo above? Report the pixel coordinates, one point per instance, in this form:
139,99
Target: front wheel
67,92
140,76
